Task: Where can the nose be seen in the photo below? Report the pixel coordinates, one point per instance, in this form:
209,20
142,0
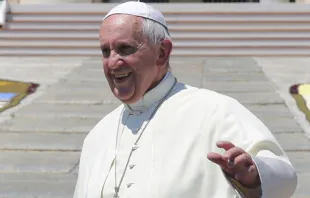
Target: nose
115,61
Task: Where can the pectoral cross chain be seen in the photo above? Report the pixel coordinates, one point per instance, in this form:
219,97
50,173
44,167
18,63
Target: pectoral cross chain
116,192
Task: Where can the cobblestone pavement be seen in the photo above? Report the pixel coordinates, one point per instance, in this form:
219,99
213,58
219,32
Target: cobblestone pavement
41,138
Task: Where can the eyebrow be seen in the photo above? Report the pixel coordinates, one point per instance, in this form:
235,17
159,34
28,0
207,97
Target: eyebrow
120,43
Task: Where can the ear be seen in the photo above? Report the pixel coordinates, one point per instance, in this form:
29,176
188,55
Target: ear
164,52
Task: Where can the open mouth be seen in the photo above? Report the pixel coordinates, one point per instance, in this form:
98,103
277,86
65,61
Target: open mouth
121,77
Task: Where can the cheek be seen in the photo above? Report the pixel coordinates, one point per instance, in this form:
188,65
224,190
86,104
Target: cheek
105,65
144,77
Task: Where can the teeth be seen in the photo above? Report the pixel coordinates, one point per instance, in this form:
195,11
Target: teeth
121,75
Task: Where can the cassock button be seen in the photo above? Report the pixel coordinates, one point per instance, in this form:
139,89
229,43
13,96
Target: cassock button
135,147
132,166
129,185
135,112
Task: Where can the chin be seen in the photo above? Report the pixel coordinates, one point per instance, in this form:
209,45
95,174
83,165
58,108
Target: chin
125,98
125,94
128,100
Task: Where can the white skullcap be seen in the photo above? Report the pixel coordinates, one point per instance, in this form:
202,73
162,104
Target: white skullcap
140,9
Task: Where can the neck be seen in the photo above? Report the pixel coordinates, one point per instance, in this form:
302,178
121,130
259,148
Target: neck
154,94
157,81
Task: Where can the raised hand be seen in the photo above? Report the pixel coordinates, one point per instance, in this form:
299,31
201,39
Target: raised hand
236,163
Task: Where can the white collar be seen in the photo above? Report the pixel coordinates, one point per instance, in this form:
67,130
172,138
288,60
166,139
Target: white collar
153,96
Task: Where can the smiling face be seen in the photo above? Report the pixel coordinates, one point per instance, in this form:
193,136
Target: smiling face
132,64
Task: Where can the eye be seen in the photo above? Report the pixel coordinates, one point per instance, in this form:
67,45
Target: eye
125,50
105,52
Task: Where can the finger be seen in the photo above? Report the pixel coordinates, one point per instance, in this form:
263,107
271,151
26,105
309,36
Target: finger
241,161
219,160
245,169
233,153
246,175
241,166
216,158
233,161
225,145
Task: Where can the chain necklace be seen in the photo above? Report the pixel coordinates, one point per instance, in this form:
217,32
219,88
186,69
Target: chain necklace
134,147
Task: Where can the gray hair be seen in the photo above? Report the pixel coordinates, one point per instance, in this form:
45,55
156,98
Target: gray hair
154,31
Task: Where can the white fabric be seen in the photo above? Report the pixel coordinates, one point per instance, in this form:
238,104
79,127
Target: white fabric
171,160
3,11
137,8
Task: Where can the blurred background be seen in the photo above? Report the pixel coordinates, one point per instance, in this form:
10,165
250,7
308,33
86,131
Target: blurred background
53,90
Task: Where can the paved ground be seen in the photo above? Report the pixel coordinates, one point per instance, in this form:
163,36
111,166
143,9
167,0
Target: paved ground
41,139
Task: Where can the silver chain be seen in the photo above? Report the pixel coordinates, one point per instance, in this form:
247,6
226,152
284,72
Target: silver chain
117,187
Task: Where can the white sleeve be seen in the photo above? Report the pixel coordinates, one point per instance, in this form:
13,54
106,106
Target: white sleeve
278,177
241,127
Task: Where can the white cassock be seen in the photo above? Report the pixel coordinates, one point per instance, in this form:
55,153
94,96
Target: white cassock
170,158
3,11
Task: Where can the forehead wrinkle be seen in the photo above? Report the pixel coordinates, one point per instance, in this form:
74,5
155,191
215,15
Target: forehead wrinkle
122,23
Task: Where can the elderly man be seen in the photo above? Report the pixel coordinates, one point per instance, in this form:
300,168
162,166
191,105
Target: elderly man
168,139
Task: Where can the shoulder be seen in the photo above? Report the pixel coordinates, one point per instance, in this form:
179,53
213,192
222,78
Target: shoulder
232,119
205,98
211,104
228,118
223,105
